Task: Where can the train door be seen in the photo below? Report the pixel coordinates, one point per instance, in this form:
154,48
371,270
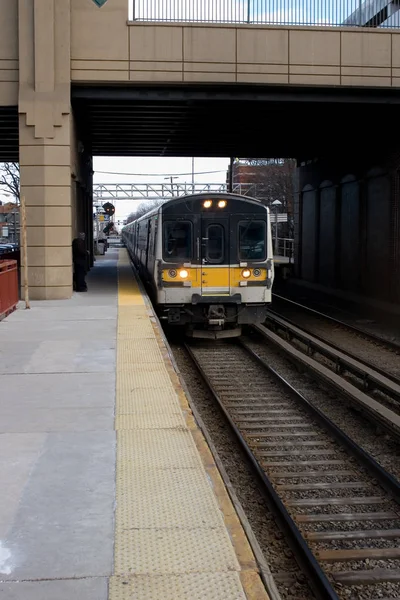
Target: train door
215,279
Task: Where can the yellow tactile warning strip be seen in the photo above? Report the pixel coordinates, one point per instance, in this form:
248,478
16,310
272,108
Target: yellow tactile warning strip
177,535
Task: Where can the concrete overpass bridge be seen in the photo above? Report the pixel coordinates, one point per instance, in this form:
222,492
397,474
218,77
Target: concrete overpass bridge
78,80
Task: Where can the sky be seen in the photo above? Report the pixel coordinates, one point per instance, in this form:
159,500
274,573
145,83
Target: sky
155,170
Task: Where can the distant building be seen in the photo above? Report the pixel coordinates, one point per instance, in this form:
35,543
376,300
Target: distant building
273,179
9,223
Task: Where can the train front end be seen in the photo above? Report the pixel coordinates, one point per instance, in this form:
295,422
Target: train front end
216,269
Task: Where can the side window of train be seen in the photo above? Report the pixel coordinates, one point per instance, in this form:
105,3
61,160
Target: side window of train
178,240
215,244
155,235
252,240
143,235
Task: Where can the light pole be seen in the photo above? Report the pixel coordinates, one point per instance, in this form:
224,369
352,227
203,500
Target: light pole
230,182
14,212
97,229
277,204
172,183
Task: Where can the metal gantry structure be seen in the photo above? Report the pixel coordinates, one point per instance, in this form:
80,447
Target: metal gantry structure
107,192
161,192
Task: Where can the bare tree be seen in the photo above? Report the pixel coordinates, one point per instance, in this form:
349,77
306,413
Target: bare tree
274,179
143,208
10,179
131,218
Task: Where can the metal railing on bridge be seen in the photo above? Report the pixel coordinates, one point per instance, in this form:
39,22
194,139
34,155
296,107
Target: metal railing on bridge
284,248
354,13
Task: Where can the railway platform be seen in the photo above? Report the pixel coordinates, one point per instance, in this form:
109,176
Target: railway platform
109,489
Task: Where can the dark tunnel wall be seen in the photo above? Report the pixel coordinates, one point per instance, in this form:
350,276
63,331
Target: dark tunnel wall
347,223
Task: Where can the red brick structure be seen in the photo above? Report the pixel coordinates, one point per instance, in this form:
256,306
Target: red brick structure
273,179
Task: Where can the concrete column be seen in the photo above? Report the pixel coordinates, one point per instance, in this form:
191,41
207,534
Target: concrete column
46,184
82,185
46,137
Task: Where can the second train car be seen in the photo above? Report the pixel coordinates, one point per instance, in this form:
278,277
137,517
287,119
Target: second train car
207,260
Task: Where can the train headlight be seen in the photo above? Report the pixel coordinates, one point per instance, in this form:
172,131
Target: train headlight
256,272
172,273
222,204
183,274
246,273
207,203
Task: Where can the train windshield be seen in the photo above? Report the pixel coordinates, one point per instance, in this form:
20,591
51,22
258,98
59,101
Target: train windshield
178,241
252,240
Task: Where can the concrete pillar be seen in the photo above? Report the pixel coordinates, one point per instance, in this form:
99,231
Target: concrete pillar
46,184
82,191
46,138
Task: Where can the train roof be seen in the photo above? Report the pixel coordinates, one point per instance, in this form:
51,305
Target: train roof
183,199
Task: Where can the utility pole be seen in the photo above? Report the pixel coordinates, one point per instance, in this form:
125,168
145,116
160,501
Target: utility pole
24,251
97,230
230,184
277,204
172,183
192,174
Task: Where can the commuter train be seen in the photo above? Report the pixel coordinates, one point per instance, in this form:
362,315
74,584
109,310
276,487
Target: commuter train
207,261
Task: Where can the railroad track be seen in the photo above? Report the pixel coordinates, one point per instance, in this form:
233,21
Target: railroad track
383,408
337,506
377,339
356,365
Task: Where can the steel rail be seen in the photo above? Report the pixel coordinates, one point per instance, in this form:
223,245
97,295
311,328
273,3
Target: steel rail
356,365
368,334
305,557
307,561
375,411
390,483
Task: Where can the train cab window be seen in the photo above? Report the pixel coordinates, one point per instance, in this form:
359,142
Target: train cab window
215,243
178,241
252,240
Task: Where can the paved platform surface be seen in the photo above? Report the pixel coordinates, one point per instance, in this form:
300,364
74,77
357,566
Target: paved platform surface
110,489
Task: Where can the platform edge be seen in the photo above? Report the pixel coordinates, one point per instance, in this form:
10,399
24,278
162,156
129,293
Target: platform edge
256,577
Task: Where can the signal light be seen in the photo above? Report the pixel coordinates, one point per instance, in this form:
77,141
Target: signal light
109,208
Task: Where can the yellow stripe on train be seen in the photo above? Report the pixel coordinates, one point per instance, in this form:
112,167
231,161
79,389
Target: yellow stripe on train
215,277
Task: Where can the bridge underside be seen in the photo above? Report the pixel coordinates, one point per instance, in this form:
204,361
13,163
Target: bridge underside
9,135
221,121
230,120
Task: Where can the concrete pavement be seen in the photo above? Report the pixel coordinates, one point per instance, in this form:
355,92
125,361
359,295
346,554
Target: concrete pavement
57,444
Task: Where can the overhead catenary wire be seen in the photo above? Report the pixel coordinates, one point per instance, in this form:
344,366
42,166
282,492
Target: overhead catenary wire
160,174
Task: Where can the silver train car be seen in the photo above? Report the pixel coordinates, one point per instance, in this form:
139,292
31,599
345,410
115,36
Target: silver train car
207,261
